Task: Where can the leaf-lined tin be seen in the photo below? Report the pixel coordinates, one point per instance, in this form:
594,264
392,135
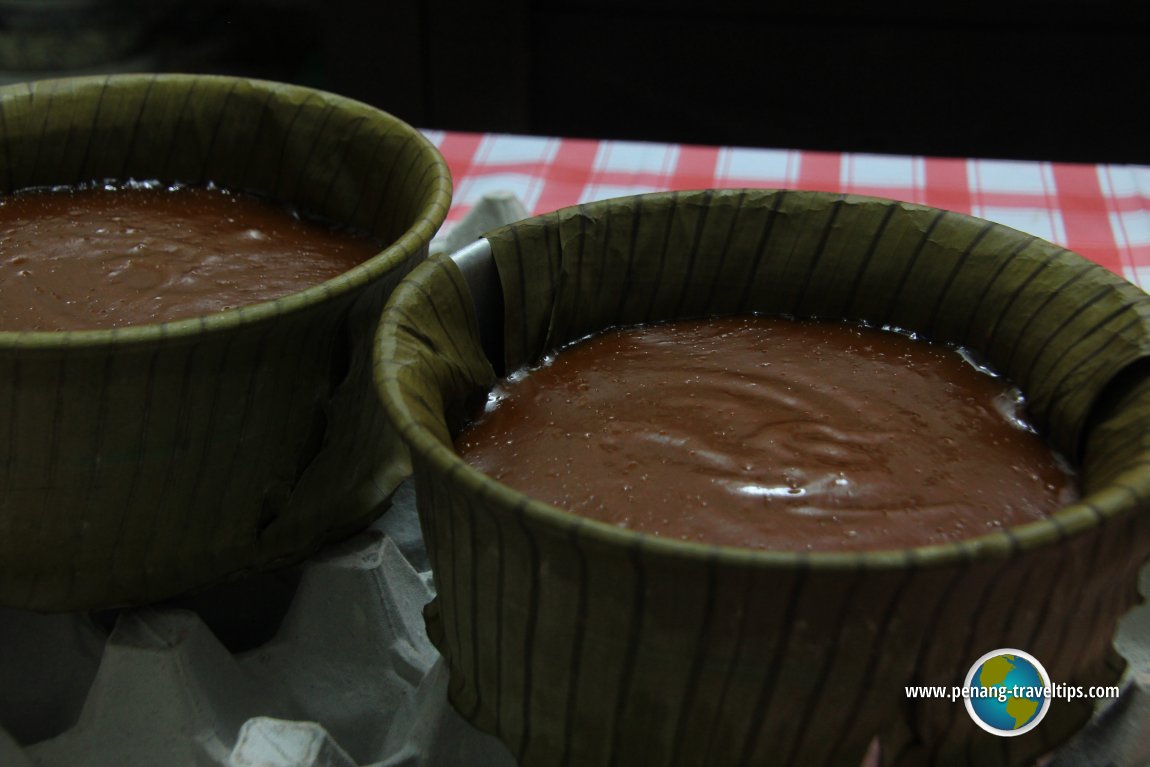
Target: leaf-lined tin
139,462
580,643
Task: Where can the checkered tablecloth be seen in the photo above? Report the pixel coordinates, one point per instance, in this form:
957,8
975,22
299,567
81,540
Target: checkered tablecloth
1099,211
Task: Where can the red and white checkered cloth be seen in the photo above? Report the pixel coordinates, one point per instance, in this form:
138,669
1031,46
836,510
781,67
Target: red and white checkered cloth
1099,211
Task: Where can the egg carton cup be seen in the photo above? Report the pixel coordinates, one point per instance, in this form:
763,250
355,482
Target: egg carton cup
490,211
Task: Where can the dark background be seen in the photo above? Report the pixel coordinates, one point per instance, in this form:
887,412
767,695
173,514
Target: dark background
1055,80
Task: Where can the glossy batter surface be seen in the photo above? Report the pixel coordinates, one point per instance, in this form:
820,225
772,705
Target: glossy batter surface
771,433
99,257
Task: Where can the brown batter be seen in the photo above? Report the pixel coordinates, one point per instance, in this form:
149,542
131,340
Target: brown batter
771,433
103,257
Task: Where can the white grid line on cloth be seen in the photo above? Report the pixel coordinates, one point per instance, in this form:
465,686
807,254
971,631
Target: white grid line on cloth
900,177
1019,194
500,150
757,167
1046,223
1010,176
630,167
636,158
1127,193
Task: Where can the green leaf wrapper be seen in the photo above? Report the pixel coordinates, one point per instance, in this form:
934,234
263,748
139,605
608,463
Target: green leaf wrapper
578,642
141,462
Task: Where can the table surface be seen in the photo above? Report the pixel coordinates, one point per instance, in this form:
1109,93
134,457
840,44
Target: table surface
1099,211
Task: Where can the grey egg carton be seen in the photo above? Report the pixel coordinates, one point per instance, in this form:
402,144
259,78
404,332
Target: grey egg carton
348,679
